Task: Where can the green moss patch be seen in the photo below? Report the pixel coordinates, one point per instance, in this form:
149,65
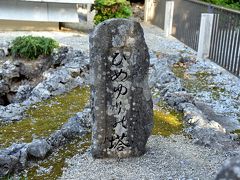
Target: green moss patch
198,82
167,121
44,118
179,69
56,161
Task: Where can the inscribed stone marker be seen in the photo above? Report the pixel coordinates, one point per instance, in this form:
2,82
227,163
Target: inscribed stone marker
121,99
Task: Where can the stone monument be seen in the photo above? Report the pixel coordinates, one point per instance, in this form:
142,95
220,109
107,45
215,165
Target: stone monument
122,106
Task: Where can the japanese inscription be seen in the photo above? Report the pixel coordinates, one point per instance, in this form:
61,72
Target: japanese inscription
121,99
119,73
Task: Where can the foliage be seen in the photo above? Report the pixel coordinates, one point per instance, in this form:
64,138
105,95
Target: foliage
31,47
107,9
234,4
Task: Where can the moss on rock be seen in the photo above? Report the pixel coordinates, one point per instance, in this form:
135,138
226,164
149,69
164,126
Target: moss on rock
45,117
52,167
167,121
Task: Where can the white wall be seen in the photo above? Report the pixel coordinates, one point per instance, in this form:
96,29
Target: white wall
64,1
25,10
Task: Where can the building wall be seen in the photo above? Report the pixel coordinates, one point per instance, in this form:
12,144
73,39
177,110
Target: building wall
38,11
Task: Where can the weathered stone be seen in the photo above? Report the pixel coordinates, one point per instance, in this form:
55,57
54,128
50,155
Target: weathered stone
10,70
4,49
121,99
23,92
229,123
73,129
38,148
7,164
84,118
230,170
57,139
59,55
176,98
4,87
13,158
21,87
2,53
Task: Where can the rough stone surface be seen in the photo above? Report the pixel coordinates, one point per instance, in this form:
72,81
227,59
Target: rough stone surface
38,148
122,103
20,86
13,159
4,47
230,170
6,164
84,118
72,129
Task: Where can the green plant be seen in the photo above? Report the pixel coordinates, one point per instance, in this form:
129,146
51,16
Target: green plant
31,47
234,4
107,9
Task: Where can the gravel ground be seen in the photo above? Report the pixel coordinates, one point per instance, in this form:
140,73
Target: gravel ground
166,158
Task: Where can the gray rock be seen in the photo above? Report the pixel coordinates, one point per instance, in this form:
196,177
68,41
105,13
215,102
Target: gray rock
38,148
4,46
12,112
43,171
192,115
41,92
4,87
23,93
59,55
7,164
10,70
167,77
2,53
21,155
211,138
73,129
171,87
226,121
176,98
13,159
195,117
157,68
122,104
57,80
82,119
4,49
57,139
230,170
85,118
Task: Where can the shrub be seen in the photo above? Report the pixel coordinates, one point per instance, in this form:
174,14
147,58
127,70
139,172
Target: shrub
234,4
31,47
107,9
